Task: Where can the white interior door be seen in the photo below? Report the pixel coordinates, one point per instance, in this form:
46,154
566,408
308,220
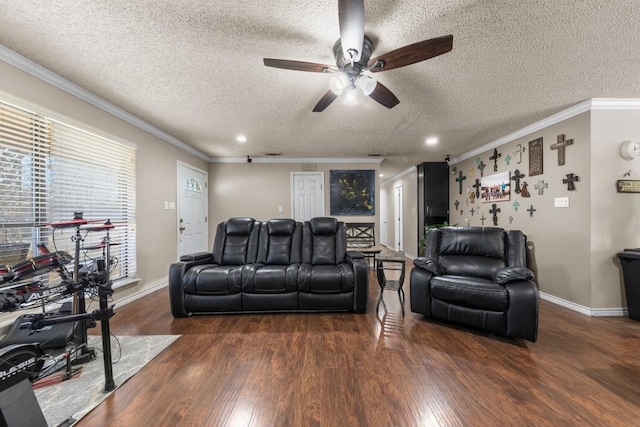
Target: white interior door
384,221
192,210
307,195
398,219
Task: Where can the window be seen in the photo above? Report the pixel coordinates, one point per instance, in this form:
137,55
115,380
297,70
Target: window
48,171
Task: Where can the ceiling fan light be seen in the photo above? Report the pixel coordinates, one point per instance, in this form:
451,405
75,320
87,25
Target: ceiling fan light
350,97
337,84
367,84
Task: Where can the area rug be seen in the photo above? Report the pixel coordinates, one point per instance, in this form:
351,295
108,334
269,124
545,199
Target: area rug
67,402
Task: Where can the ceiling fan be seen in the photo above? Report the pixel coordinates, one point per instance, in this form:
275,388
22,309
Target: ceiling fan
353,52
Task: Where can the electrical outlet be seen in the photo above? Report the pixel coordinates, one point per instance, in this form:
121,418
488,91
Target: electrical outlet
561,202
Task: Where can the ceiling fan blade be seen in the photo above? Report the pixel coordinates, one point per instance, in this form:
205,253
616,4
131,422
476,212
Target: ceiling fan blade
325,101
351,16
384,96
413,53
296,65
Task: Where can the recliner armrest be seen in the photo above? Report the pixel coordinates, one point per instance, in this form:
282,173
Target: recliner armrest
195,257
512,274
429,264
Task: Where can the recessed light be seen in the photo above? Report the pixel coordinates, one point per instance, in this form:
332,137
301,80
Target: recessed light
432,140
241,138
381,175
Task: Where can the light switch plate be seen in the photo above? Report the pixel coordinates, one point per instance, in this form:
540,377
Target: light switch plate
561,202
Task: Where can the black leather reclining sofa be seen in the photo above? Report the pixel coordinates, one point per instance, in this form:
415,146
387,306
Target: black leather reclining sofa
279,265
477,276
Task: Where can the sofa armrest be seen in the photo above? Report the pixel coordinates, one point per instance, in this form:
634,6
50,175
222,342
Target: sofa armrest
420,294
196,257
512,274
522,314
429,264
355,255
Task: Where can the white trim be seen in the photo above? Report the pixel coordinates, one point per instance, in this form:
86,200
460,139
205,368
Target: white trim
38,71
131,298
591,104
294,160
398,176
178,198
292,190
595,312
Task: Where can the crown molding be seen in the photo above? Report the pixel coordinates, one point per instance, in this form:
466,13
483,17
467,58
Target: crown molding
294,160
588,105
48,76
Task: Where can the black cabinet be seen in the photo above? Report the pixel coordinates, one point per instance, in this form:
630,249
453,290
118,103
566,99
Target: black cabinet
433,195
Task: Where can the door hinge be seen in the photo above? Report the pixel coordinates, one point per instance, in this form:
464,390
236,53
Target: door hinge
205,219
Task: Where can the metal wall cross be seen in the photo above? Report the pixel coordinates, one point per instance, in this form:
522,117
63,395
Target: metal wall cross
531,210
516,205
460,178
517,175
518,152
472,211
507,159
495,159
571,178
560,145
477,186
482,218
494,211
457,203
540,186
481,167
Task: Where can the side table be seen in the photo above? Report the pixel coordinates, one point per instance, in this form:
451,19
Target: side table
388,262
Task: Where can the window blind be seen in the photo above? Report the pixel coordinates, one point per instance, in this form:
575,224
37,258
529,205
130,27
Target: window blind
48,171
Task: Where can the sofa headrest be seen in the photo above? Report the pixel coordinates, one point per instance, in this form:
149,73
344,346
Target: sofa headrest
324,226
239,226
281,226
478,241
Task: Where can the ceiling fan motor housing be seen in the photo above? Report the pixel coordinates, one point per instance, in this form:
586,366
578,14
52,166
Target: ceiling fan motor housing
344,64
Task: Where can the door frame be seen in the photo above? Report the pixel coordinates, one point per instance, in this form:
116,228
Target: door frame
292,190
398,202
206,202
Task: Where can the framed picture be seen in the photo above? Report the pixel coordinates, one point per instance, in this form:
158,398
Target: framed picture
535,157
352,192
496,188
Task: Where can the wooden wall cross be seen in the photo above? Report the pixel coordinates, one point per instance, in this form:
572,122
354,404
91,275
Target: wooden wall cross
494,211
518,152
517,175
531,210
560,145
477,186
472,211
571,178
481,167
540,186
495,159
482,218
460,178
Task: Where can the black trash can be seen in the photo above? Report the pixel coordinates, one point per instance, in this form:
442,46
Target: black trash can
630,261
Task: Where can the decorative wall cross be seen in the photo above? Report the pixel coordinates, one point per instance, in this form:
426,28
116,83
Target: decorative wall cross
495,159
478,161
471,172
531,210
540,186
525,190
482,218
477,186
518,152
560,145
481,167
460,178
472,211
494,211
571,178
510,219
517,175
507,159
516,205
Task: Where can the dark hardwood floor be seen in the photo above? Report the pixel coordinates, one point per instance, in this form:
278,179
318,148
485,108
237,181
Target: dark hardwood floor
374,370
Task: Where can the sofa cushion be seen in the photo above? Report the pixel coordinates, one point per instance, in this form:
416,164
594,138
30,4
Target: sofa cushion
470,292
470,265
221,280
272,279
325,278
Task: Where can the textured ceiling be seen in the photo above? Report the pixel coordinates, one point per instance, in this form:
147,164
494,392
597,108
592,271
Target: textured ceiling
194,68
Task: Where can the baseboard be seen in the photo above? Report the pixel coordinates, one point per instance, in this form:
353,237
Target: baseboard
131,298
595,312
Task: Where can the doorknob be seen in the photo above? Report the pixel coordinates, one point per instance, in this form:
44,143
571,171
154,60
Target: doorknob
182,229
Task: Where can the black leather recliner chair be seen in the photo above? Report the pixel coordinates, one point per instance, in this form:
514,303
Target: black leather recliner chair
477,276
